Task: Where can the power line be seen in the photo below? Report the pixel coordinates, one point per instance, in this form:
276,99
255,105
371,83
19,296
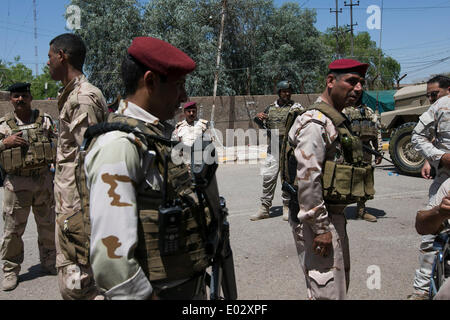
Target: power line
392,8
337,25
35,36
351,5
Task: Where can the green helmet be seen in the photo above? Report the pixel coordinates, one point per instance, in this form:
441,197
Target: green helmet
285,84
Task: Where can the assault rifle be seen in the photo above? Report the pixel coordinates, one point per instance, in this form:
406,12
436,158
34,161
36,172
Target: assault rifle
375,153
222,276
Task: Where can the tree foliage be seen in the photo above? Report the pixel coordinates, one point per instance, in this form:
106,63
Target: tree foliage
383,71
262,44
108,27
13,72
16,71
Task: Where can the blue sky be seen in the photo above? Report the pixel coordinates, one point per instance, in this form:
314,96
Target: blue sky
414,32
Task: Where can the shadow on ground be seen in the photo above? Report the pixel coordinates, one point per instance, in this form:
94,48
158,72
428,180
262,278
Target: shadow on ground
32,273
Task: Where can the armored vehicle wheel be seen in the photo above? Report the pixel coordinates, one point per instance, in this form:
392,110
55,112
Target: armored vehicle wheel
406,159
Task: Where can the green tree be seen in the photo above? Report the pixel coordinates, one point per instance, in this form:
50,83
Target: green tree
13,72
383,71
261,44
193,27
108,27
38,86
293,49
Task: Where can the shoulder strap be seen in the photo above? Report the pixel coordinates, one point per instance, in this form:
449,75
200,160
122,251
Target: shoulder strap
11,120
336,117
40,117
116,122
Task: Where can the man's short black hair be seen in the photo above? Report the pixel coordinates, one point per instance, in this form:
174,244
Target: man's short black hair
132,71
443,81
73,46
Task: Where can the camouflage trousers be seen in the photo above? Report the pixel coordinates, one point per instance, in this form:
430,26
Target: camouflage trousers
21,194
327,278
422,277
76,281
270,172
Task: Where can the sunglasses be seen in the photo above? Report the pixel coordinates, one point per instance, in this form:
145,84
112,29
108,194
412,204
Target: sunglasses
432,94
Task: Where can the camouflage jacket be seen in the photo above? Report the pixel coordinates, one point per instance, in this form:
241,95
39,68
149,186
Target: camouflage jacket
80,105
431,136
114,169
315,139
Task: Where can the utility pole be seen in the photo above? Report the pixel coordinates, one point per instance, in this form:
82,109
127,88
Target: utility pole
351,5
35,38
219,53
337,25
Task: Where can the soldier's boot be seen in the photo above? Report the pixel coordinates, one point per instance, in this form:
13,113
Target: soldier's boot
418,296
285,213
263,213
363,214
10,281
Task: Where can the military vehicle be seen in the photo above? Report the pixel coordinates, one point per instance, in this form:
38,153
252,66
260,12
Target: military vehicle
410,103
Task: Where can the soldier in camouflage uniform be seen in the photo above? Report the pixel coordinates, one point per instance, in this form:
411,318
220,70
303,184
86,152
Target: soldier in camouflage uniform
329,174
80,105
366,125
188,130
431,138
130,254
274,118
27,150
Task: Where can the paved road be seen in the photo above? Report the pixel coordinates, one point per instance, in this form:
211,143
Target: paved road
265,257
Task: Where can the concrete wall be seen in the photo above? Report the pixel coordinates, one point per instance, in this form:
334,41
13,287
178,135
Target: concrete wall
4,95
231,112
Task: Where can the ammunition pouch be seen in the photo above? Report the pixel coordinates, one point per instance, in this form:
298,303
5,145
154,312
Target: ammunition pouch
345,184
362,124
40,152
73,240
189,260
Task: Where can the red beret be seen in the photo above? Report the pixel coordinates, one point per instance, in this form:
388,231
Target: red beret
161,57
190,104
348,66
